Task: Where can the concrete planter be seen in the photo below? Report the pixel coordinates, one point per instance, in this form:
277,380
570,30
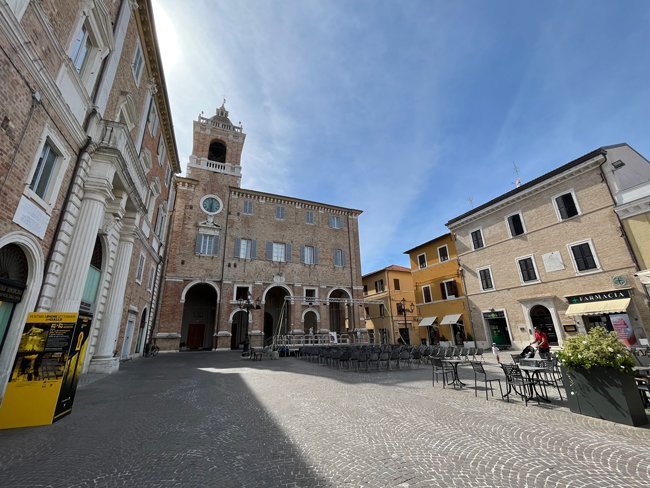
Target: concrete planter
604,393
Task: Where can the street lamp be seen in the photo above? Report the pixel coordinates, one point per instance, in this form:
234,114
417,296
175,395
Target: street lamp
248,305
401,308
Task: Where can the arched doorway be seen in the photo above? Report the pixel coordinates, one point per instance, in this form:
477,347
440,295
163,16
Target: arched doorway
276,313
540,316
93,278
310,322
339,310
239,329
198,317
141,335
14,270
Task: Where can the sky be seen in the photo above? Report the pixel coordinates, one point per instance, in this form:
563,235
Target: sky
412,111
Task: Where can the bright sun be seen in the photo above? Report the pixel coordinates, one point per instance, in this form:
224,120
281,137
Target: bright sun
167,38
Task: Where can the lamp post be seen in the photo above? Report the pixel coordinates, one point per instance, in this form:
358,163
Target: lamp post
401,308
248,305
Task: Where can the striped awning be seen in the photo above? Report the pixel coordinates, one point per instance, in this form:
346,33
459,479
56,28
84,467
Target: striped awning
450,319
597,308
428,321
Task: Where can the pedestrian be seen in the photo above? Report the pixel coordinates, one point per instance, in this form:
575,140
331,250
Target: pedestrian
495,351
541,340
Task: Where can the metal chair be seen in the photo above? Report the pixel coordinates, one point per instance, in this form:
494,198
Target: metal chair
516,382
480,370
441,368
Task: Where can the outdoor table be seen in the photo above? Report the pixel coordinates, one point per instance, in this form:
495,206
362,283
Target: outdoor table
454,366
532,374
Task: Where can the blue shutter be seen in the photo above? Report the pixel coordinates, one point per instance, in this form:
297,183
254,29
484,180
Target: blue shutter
302,254
287,253
269,250
253,249
237,247
197,244
343,258
315,255
215,246
331,221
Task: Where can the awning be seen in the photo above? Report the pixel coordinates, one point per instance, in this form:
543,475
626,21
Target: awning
450,319
597,308
427,321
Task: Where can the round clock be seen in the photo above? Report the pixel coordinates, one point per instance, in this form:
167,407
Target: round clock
211,205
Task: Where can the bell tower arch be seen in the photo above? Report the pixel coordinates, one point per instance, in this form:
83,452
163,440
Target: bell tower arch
217,148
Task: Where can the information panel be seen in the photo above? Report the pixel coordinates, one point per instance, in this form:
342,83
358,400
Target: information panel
46,370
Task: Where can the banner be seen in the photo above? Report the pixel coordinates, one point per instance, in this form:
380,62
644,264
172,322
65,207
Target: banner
623,328
50,353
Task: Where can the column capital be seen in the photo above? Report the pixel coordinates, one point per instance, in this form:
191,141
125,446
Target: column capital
98,189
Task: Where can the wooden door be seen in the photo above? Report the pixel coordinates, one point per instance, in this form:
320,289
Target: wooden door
195,334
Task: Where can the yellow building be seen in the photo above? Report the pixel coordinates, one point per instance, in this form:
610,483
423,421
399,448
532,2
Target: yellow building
440,292
387,290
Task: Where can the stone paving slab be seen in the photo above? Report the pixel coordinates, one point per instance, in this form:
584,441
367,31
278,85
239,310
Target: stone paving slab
214,419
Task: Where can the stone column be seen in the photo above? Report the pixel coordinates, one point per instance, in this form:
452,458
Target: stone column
72,278
103,360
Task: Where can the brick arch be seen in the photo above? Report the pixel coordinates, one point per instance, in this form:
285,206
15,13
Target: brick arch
310,309
273,286
341,289
199,282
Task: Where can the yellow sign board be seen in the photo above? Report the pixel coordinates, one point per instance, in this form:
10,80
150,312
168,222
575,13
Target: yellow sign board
49,357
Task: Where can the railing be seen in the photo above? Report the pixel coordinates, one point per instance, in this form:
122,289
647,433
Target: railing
313,339
225,168
220,125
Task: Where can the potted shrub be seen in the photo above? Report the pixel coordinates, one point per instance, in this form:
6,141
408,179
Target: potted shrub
599,379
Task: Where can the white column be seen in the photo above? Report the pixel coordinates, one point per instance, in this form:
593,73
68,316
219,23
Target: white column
103,360
77,260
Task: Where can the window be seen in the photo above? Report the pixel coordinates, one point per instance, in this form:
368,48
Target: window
365,289
485,276
279,212
584,257
382,310
336,222
339,258
152,275
278,252
160,221
140,271
379,286
81,48
310,293
245,249
309,217
45,169
248,207
527,270
206,244
242,293
448,289
515,225
566,206
168,175
443,253
426,294
162,153
396,284
477,239
152,118
138,63
422,261
309,255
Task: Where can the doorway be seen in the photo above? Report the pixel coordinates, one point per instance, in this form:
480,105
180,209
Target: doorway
198,317
498,326
541,317
239,329
128,335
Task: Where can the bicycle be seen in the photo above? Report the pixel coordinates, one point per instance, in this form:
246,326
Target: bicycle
151,350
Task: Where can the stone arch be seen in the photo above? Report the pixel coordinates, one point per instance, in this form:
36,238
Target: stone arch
35,263
198,325
197,282
329,294
340,313
273,286
217,151
310,309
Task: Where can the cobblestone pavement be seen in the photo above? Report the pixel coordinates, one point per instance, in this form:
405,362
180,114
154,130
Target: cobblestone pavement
216,420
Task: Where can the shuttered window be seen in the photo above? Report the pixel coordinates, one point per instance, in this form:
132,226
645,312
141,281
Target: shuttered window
566,206
206,244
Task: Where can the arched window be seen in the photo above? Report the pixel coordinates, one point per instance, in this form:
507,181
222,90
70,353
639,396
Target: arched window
217,152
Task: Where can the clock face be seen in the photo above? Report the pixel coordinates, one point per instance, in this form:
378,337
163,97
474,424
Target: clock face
211,205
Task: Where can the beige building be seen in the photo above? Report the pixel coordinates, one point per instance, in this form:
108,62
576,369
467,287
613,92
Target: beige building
87,158
389,294
552,253
246,265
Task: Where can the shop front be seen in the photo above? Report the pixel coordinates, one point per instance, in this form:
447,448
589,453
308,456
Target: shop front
608,309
